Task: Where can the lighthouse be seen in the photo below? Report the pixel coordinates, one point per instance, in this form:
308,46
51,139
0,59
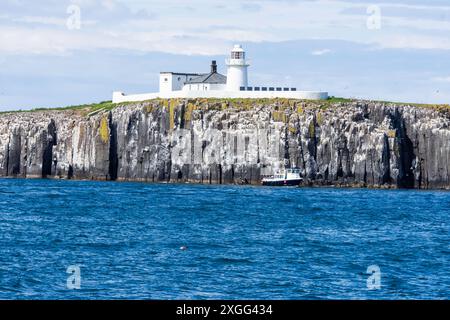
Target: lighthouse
237,69
212,84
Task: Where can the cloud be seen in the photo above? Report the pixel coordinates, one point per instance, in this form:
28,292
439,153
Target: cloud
252,7
105,12
320,52
414,41
64,42
441,79
169,26
285,40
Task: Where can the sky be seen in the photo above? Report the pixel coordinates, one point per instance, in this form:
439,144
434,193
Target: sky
57,53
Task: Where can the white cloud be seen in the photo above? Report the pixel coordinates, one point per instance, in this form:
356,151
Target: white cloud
320,52
441,79
64,41
414,41
49,21
178,29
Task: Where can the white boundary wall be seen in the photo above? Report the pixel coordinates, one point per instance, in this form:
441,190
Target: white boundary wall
306,95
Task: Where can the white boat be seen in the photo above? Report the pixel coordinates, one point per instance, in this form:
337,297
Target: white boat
285,177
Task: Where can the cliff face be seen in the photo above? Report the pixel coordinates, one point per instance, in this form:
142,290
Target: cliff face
238,141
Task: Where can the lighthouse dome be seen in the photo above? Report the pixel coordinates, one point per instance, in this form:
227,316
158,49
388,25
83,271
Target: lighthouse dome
237,48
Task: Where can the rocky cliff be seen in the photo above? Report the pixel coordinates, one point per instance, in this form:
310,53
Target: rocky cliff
351,143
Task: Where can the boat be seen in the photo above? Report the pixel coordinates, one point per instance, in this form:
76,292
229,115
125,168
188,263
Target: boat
285,177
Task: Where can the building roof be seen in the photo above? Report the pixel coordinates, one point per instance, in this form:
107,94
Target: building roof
181,73
213,77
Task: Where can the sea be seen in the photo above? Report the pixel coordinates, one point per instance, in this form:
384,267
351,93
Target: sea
64,239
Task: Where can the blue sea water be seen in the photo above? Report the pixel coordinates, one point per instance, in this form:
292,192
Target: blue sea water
242,242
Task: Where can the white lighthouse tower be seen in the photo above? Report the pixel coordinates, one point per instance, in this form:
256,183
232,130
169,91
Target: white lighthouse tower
237,69
175,85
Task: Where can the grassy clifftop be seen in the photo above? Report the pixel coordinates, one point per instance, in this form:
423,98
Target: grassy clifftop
209,103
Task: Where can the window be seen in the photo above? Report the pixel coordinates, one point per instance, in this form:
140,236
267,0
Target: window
285,89
257,88
278,89
249,88
264,88
242,88
237,55
165,79
293,89
179,78
271,89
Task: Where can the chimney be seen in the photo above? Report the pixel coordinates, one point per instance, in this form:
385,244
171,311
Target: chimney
213,66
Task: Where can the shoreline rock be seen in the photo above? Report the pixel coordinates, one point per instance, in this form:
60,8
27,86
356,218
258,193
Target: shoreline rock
360,143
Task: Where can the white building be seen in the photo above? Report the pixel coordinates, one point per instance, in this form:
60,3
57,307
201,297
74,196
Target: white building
216,85
237,70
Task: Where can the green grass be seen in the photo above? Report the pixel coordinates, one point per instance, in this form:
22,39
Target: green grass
334,99
442,108
90,109
107,105
86,108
